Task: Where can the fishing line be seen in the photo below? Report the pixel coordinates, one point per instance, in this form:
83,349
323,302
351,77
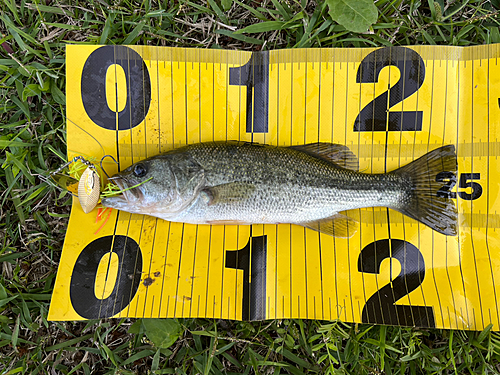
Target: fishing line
53,107
89,183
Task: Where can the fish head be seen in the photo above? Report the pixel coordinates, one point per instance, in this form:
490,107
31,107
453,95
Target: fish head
164,185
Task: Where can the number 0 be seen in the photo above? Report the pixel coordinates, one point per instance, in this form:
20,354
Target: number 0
94,87
82,283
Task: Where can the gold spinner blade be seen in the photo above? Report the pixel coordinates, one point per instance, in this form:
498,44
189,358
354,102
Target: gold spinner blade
89,189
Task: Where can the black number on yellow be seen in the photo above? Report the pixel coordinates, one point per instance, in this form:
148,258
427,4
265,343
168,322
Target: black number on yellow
380,307
449,179
82,283
375,116
94,87
466,181
255,76
253,257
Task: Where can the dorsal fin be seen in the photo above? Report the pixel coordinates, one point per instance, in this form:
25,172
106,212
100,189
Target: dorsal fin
337,154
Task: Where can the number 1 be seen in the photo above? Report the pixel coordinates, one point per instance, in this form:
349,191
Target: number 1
253,257
255,76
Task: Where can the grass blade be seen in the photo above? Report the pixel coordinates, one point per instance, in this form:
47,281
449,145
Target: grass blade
262,27
243,38
68,343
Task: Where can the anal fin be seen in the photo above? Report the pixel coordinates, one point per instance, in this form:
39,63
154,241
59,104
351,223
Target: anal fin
339,225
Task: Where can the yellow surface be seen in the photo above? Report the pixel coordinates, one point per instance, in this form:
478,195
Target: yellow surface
313,96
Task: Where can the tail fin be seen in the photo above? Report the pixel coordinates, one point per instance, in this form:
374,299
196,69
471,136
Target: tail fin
429,198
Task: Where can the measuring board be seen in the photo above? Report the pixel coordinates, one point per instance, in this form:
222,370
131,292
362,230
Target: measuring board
388,105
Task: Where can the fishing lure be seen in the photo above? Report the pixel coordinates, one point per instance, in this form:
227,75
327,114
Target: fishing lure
89,183
89,189
87,186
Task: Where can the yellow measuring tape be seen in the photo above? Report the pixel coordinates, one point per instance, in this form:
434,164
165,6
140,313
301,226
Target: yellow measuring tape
389,106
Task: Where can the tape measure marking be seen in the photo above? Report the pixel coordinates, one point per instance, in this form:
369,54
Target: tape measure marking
372,148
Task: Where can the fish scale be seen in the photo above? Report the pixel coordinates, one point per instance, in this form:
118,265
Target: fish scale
291,186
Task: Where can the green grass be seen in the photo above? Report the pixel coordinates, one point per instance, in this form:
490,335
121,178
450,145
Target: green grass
33,214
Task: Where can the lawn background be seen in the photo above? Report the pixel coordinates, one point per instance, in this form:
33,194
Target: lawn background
34,215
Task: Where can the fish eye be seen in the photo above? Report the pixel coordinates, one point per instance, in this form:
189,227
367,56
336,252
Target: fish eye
140,170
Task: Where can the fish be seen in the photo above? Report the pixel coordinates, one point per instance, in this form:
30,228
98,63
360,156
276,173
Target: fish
311,185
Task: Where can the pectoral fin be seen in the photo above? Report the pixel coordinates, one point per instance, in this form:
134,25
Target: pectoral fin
228,193
339,225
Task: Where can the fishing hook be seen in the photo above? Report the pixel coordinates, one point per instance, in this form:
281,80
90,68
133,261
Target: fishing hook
104,157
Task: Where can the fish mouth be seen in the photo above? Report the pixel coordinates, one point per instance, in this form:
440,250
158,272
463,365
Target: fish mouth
125,197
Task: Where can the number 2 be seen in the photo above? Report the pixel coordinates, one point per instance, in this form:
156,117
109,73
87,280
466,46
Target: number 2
380,307
375,116
449,179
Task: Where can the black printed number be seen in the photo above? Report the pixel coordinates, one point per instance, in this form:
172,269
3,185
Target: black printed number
255,76
466,181
82,283
252,257
380,307
376,116
449,180
94,87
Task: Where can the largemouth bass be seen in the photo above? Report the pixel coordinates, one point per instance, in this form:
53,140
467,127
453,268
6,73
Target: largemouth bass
309,185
